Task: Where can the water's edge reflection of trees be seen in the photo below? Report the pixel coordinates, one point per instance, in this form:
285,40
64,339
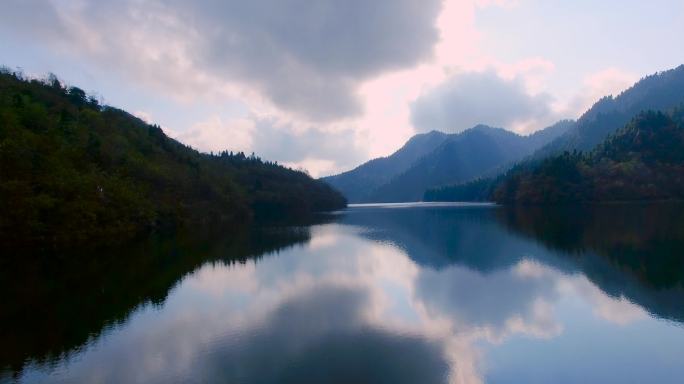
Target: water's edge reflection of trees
58,305
55,304
630,250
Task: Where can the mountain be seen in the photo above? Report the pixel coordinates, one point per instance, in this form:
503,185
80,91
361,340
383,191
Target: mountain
464,156
358,184
75,171
659,92
642,161
436,158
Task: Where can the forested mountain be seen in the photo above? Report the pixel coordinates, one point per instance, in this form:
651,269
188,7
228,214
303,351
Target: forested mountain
659,92
435,159
461,158
74,171
642,161
358,184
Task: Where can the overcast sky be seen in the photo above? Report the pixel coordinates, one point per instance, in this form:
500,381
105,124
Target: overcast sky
328,84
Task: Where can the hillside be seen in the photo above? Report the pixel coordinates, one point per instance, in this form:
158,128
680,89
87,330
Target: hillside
75,171
462,157
435,159
358,184
642,161
659,92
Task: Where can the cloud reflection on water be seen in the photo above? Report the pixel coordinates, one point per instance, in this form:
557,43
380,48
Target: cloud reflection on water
343,308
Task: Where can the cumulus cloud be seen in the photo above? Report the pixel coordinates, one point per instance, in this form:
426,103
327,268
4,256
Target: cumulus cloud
305,57
309,57
283,142
317,150
609,81
217,134
467,99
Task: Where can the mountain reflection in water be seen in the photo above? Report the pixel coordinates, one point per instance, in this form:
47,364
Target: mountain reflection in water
447,293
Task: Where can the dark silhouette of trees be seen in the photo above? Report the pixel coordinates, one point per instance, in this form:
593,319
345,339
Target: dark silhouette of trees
642,161
72,170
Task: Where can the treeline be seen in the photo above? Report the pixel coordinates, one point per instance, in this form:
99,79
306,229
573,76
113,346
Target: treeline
476,190
642,161
72,170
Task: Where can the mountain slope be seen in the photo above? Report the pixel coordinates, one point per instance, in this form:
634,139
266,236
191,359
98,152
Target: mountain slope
661,91
360,182
75,171
464,156
642,161
435,158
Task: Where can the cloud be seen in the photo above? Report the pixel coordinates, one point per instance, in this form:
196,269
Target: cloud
501,303
317,150
306,58
309,57
304,332
45,20
609,81
289,144
217,134
468,99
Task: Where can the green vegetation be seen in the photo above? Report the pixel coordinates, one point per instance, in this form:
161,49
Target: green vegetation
476,190
661,91
642,161
73,171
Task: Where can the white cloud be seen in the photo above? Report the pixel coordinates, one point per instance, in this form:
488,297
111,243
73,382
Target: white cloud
217,134
609,81
467,99
306,58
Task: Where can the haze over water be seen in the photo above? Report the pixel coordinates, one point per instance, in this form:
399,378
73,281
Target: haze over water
379,294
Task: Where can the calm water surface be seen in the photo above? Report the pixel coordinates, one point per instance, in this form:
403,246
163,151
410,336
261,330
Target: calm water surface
375,294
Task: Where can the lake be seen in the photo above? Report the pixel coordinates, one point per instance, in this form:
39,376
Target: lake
409,293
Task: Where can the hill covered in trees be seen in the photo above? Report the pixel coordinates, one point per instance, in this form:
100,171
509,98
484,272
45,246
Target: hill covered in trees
661,91
74,171
642,161
435,159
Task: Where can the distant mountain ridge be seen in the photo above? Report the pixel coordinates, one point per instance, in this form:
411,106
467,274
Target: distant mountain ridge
435,158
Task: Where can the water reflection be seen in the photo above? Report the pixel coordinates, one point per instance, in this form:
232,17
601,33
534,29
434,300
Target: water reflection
634,251
401,295
57,303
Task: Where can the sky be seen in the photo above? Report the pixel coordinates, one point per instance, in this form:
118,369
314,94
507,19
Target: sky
325,85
